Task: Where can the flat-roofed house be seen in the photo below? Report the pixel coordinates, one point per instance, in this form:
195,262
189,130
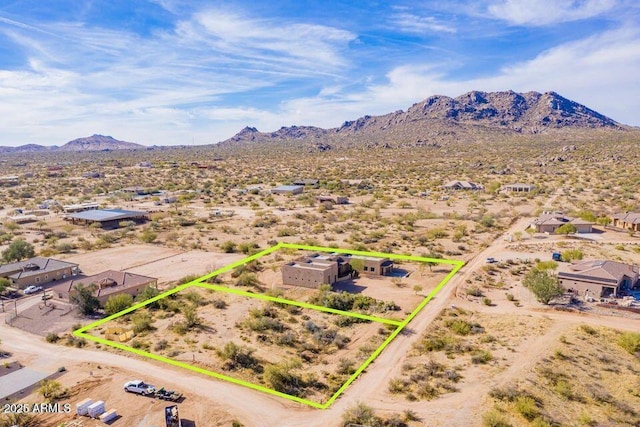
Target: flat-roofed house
519,187
549,222
627,220
287,189
108,218
37,271
310,273
317,269
107,283
598,278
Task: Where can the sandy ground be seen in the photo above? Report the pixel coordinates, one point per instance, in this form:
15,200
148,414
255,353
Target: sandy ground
213,400
166,264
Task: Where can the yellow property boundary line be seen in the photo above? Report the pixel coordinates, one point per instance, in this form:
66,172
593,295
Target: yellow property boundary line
400,325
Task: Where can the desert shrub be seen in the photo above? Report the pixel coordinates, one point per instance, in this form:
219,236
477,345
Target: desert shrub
263,323
187,279
630,341
346,366
459,326
219,303
161,345
52,337
229,247
74,341
482,357
237,356
493,418
248,279
527,407
474,291
360,413
564,389
117,303
282,378
142,322
571,255
51,390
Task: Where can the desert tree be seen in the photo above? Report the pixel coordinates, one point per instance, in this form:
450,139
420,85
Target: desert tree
544,286
18,250
83,297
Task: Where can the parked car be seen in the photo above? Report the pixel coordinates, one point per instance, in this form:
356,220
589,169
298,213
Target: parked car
490,260
32,289
171,395
139,387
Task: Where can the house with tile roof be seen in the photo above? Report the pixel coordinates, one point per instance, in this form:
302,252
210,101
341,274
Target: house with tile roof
598,278
549,222
107,284
627,221
37,271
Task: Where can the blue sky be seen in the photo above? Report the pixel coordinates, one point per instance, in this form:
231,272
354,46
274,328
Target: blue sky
183,71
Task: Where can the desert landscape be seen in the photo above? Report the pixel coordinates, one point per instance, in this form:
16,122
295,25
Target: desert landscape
488,349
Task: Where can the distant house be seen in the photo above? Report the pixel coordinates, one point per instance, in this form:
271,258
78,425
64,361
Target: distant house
135,190
314,270
519,188
92,174
361,184
462,185
23,219
337,200
108,283
9,180
37,271
306,182
81,207
627,221
549,222
108,218
287,189
599,279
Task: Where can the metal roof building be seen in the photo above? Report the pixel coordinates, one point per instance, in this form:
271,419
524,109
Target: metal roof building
108,218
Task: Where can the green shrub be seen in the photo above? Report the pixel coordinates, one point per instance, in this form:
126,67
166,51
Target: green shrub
527,407
482,357
52,337
493,418
630,341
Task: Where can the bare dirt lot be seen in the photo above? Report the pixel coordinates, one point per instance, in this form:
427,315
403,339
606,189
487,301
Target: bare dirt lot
166,264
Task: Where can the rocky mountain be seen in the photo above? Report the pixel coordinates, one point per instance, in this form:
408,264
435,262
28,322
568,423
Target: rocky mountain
441,118
99,143
27,148
90,143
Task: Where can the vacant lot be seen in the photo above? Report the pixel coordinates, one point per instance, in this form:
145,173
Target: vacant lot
297,351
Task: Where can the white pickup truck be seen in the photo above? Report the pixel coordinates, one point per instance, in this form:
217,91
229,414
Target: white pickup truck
139,387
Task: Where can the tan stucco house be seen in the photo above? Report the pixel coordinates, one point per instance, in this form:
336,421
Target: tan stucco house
37,271
598,278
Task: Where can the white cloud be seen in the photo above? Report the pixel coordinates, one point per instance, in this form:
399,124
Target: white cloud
410,23
599,71
86,79
544,12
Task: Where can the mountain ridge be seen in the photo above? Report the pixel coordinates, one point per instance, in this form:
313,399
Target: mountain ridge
438,117
94,142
